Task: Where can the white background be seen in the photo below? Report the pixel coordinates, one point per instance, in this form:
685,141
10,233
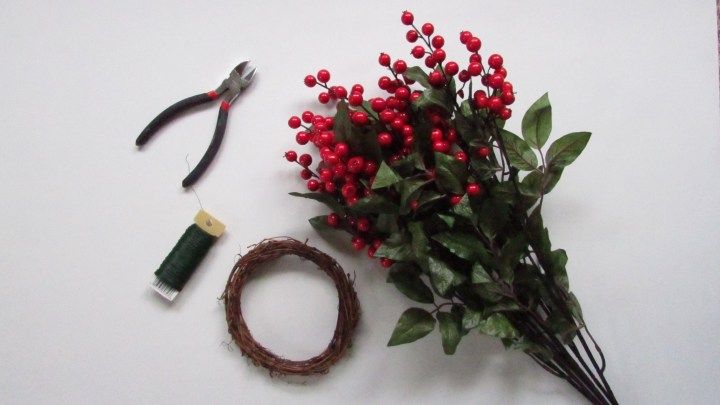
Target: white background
86,218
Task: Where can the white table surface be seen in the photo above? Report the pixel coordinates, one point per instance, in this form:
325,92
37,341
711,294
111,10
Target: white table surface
86,218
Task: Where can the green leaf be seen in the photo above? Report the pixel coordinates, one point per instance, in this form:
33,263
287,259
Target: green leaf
428,198
464,209
462,245
409,283
324,198
417,74
529,347
413,324
374,204
451,173
442,277
499,326
363,141
401,252
465,128
479,275
471,318
562,326
320,223
367,108
510,255
432,97
491,292
385,177
537,232
386,223
542,182
494,214
420,243
341,122
408,190
409,165
447,219
518,151
449,330
565,150
507,306
537,122
557,270
575,308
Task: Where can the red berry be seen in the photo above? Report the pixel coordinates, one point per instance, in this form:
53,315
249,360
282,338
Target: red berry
307,117
294,122
323,76
302,138
326,175
483,151
495,104
339,91
438,55
313,185
496,81
387,116
377,104
480,99
436,135
505,113
383,82
358,243
507,98
384,139
495,61
291,156
465,36
464,76
356,164
342,149
455,199
402,93
474,68
427,29
501,71
323,98
473,44
418,52
355,99
400,66
370,168
451,135
363,224
407,130
357,88
359,118
339,170
371,251
305,174
411,36
430,61
408,140
407,18
384,59
333,220
436,79
461,156
305,160
452,68
348,190
475,57
441,146
385,262
473,189
310,81
507,87
438,41
414,205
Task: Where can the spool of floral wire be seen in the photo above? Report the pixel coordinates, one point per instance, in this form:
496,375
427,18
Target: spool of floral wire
348,308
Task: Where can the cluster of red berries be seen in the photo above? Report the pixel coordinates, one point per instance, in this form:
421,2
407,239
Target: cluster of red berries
348,175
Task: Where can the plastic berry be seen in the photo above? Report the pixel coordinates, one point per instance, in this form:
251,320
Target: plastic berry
508,98
473,44
384,139
427,29
385,262
400,66
496,81
455,199
483,151
359,118
407,18
339,91
414,205
291,156
305,160
474,69
302,138
475,57
473,189
495,104
305,174
436,79
313,185
323,98
310,81
333,220
495,61
341,149
358,243
326,175
451,68
501,71
438,55
418,52
411,36
363,224
436,135
348,190
402,93
438,41
430,61
323,76
408,140
465,37
294,122
330,187
461,156
355,99
441,146
464,76
505,113
371,168
357,88
377,104
384,59
356,164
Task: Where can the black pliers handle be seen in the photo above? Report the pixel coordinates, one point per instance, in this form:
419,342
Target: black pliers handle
230,88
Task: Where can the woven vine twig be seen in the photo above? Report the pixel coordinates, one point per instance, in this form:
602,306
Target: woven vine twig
348,309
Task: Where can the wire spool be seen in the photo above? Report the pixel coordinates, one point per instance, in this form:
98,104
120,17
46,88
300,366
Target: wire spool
185,257
348,308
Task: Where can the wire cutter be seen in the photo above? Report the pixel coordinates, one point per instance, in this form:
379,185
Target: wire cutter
229,89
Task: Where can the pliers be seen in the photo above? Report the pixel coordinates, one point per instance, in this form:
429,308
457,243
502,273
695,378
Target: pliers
229,89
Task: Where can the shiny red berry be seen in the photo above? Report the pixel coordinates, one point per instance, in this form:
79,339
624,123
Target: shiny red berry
305,160
359,118
414,205
452,68
438,55
505,113
436,79
363,224
358,243
357,88
501,71
438,41
323,76
475,57
313,185
495,61
294,122
461,156
507,87
495,104
411,36
473,189
371,251
333,220
356,164
436,135
377,104
385,262
387,116
473,44
348,190
339,91
310,81
508,98
341,149
441,146
418,52
474,69
302,138
305,174
407,18
483,151
370,168
400,66
384,59
430,61
464,76
427,29
455,199
408,140
384,139
355,99
291,156
495,81
465,36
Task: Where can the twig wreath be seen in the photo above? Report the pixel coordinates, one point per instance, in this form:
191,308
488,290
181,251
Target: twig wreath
348,308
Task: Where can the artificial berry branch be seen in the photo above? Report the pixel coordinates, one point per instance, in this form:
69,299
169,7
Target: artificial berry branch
431,184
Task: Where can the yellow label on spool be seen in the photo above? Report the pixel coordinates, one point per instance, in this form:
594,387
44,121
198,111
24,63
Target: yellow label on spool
209,224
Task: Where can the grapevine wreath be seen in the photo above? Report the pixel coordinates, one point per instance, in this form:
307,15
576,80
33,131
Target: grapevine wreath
427,178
